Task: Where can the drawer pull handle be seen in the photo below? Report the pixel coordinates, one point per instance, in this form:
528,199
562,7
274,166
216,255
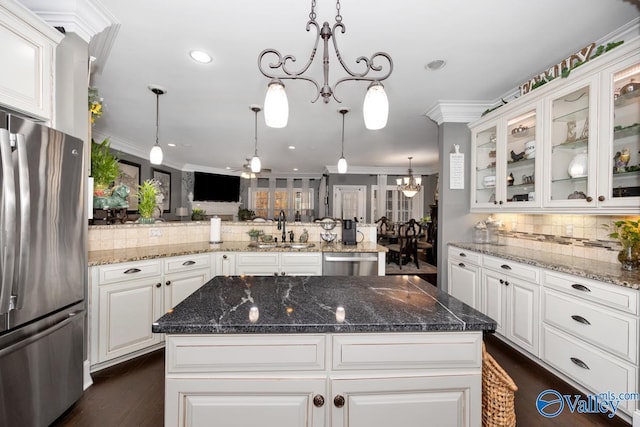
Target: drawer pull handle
338,401
579,363
580,319
318,400
132,270
462,254
580,287
505,266
188,262
461,264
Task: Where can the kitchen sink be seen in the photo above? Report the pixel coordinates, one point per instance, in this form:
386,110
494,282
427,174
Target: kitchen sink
298,245
263,245
273,245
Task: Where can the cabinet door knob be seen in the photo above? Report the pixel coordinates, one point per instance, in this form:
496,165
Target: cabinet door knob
188,262
500,202
283,273
168,283
461,264
275,273
158,285
589,199
501,282
495,202
318,400
579,362
580,319
506,283
338,401
601,198
132,271
224,257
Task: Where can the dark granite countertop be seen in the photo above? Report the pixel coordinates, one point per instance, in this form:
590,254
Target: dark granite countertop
592,269
289,304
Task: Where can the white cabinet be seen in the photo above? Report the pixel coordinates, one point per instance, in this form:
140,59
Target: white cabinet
587,143
464,276
324,380
590,333
511,296
28,61
224,264
183,276
126,298
279,263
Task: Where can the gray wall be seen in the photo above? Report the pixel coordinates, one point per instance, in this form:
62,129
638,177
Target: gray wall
455,223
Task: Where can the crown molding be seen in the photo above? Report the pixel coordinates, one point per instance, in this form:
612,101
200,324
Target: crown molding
120,144
23,13
457,111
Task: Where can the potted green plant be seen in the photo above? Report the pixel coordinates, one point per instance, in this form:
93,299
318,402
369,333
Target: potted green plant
254,233
245,214
198,214
147,193
104,166
628,234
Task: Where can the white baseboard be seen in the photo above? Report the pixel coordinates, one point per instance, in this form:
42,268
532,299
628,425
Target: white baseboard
86,374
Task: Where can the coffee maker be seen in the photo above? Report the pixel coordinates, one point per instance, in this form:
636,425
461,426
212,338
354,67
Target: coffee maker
348,232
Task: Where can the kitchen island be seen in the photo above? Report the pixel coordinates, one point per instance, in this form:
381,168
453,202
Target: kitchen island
322,351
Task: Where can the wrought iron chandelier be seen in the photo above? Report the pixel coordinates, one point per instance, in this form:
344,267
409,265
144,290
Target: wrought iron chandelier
276,106
409,185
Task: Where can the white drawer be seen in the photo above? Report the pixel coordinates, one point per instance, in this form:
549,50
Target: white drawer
301,259
611,295
599,326
255,259
244,353
407,351
514,269
468,257
191,262
600,372
128,271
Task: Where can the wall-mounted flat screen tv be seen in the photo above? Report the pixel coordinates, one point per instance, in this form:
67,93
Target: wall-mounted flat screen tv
211,187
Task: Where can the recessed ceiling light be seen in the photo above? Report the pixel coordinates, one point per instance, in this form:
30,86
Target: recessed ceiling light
171,144
292,147
228,167
436,65
200,56
295,169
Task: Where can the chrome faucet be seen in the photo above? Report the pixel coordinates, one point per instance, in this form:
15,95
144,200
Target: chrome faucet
282,221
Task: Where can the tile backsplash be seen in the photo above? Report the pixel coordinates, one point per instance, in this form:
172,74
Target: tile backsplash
584,236
108,237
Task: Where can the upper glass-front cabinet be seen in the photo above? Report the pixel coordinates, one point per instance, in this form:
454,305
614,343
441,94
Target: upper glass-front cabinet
621,158
504,154
571,147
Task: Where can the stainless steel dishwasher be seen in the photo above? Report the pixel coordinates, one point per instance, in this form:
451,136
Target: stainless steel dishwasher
349,264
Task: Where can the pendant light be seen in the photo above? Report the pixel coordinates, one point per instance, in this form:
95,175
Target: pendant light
376,107
155,156
276,105
342,163
256,164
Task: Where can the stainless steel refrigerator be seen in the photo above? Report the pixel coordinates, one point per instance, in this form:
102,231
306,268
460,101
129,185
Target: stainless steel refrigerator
43,272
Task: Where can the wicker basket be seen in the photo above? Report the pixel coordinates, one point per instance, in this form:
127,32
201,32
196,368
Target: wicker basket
498,403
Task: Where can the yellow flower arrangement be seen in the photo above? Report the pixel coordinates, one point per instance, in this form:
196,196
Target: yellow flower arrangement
95,104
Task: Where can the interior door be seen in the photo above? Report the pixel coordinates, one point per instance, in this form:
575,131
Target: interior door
349,201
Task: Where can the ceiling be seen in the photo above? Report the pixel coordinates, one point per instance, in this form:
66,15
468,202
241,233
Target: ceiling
489,46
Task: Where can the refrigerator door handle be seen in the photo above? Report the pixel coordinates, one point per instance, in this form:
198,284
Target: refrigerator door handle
7,222
25,220
33,338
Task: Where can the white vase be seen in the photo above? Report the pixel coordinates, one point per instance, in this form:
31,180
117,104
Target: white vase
579,165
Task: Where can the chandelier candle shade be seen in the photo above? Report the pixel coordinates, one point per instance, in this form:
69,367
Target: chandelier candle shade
155,156
342,163
256,164
276,106
409,185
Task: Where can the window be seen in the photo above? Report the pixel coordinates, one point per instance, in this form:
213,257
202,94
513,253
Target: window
398,207
267,205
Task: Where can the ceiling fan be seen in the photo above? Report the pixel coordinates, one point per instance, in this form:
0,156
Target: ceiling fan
245,170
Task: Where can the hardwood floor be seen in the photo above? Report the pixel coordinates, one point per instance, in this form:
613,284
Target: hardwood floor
531,380
132,394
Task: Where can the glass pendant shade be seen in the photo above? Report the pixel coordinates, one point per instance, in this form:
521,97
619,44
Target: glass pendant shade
376,107
409,193
276,105
342,165
256,165
155,156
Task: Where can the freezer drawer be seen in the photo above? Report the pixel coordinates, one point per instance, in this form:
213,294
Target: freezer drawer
41,369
